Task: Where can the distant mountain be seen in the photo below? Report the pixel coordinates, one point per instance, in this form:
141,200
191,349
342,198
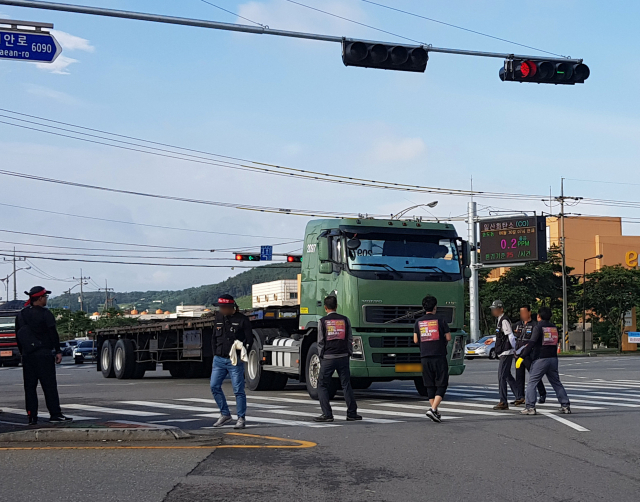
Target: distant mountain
239,285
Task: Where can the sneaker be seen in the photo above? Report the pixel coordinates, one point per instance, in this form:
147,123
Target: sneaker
501,406
323,418
565,410
59,419
434,415
241,423
542,399
354,418
528,411
518,402
224,419
33,420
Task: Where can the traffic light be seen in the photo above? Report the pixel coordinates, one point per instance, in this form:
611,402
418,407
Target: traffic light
247,257
544,72
294,258
384,56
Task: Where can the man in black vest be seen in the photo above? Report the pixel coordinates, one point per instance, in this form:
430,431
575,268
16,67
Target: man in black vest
433,335
543,348
523,330
505,348
335,345
38,361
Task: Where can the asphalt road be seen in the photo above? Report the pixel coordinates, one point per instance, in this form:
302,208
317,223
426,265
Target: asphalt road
396,454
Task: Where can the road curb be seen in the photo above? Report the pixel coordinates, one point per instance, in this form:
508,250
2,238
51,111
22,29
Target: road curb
89,434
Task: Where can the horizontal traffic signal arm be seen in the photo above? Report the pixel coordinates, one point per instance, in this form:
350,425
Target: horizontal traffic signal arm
541,71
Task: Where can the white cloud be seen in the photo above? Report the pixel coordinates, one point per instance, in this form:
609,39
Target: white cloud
398,150
68,42
51,94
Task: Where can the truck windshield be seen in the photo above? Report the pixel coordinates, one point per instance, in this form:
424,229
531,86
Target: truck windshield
406,253
7,324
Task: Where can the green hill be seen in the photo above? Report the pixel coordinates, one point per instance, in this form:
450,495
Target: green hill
238,286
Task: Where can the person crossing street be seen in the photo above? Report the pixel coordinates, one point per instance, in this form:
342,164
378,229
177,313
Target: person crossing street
505,348
523,330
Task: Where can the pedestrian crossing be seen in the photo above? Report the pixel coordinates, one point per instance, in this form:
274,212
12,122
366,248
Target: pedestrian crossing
381,405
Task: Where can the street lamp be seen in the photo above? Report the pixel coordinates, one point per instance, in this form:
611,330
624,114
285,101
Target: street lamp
584,305
405,211
6,281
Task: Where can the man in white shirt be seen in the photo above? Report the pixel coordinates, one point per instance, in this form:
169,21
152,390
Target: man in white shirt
505,349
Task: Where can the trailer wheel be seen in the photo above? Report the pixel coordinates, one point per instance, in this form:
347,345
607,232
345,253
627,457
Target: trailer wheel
420,387
257,378
361,383
313,374
106,359
177,371
279,381
124,359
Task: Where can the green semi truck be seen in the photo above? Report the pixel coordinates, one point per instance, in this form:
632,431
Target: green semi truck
378,269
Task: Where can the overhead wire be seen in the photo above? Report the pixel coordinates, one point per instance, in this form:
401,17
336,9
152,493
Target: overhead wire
233,13
192,258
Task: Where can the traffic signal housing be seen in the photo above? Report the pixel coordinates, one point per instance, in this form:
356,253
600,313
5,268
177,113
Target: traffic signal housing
247,257
544,72
384,56
294,258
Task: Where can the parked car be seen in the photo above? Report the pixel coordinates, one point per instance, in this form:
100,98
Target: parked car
85,351
66,348
485,347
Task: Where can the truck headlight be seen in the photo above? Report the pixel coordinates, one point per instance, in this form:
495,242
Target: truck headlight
358,348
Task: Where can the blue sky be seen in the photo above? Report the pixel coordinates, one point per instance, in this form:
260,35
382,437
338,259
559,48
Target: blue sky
292,102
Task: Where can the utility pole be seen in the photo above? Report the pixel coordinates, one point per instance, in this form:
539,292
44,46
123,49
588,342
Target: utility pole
474,304
563,251
82,279
107,300
14,259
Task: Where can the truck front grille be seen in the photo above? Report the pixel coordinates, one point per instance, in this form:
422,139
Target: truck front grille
381,314
380,342
393,359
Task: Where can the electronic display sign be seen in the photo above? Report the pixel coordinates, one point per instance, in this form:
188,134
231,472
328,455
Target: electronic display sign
513,240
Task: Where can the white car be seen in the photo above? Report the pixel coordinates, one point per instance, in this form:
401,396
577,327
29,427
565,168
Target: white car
485,347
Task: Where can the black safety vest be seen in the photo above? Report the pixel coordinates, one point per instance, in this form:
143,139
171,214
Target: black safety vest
336,334
523,332
502,340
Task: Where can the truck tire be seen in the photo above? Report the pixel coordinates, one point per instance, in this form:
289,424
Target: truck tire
420,387
257,378
194,369
177,370
313,369
106,359
279,381
124,359
361,383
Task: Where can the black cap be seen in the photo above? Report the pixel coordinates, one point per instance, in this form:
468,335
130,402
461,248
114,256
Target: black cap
37,291
225,300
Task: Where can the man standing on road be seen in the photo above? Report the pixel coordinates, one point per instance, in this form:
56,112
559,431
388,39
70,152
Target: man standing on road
433,335
335,343
230,326
505,348
543,348
523,330
38,340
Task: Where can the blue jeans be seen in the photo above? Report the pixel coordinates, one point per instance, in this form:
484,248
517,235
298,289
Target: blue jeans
221,367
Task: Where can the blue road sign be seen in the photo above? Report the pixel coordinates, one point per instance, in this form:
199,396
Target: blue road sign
266,252
40,47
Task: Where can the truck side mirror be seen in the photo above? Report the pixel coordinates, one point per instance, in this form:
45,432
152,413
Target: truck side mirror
323,249
466,254
325,268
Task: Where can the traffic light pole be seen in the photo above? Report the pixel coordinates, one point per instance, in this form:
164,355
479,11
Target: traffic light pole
474,303
258,30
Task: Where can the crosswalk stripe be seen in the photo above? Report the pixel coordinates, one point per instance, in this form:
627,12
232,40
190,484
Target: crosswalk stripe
307,414
551,405
16,411
609,397
212,401
113,411
182,407
450,410
391,413
278,421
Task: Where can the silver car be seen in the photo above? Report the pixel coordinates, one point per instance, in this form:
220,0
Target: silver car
485,347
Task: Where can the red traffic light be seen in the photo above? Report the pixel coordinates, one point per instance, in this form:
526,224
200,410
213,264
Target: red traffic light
247,257
294,258
544,72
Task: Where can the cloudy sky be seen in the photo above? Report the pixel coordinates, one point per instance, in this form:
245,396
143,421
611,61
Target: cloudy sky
292,102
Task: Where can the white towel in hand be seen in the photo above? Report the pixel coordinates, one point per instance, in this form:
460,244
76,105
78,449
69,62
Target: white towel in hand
238,345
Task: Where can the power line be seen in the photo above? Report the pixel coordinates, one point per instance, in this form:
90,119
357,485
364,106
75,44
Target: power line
460,27
233,13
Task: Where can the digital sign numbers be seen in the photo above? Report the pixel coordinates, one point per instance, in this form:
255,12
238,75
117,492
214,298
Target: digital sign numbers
513,240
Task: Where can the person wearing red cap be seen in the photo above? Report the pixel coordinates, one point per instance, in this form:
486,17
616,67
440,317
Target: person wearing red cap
38,340
231,326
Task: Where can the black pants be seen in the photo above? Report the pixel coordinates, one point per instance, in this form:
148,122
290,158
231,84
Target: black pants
435,374
521,377
40,367
327,367
505,377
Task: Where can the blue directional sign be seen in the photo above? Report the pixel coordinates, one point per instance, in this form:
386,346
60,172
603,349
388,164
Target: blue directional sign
266,252
35,46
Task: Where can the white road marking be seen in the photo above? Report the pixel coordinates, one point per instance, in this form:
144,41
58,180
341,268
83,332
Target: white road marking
385,412
174,420
16,411
113,411
564,421
212,401
297,423
450,410
554,405
307,414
